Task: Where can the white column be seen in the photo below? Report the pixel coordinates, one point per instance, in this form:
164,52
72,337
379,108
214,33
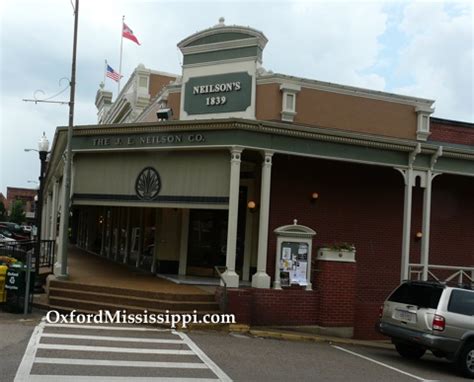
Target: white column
54,211
57,264
408,175
230,276
425,240
183,244
261,279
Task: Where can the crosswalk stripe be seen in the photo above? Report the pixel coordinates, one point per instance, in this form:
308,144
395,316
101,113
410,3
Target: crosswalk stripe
110,338
31,362
100,327
215,369
93,378
114,349
97,362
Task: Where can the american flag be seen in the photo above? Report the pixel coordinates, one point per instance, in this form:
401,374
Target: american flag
113,74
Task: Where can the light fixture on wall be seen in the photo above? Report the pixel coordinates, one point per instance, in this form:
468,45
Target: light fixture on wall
252,206
314,197
419,235
164,114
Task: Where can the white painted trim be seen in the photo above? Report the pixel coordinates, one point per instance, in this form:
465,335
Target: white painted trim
204,358
103,362
226,29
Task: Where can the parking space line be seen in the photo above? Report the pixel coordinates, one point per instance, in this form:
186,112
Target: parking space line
383,364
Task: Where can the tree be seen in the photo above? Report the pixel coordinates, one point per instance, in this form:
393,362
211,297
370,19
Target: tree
17,214
3,211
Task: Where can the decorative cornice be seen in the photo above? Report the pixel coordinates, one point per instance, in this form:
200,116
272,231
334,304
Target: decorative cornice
343,89
275,128
216,46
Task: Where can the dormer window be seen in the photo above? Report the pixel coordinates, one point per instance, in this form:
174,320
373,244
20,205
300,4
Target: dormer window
288,109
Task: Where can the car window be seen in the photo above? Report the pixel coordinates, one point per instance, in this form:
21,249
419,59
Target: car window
425,296
461,302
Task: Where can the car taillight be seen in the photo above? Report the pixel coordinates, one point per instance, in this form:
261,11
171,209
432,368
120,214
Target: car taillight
381,311
438,323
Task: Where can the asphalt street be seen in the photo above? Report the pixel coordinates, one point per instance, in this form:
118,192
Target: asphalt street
34,351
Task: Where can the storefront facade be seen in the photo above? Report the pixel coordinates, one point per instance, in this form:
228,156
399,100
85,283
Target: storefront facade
246,151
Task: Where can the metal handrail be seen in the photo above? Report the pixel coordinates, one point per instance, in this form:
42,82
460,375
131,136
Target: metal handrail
460,272
224,284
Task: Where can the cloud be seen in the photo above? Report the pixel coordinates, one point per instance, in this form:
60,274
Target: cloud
329,41
438,56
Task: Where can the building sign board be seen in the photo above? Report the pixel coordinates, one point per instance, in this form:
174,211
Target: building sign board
221,93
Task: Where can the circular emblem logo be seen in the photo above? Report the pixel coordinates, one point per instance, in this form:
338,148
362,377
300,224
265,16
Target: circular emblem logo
148,184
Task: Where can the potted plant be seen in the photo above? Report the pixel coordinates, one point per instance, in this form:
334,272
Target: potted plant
339,251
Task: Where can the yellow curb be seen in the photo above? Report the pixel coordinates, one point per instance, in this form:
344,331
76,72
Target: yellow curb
285,336
319,339
239,328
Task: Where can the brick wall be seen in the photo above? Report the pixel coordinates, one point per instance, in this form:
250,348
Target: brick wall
335,283
290,306
363,205
454,133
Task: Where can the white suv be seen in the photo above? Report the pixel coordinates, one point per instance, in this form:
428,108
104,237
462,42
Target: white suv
420,316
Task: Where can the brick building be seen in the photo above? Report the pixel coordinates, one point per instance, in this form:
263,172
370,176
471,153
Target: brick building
26,196
245,152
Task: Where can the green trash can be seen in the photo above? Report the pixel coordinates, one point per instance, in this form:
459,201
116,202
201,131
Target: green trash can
15,286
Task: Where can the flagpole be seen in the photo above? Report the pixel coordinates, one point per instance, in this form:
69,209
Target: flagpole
105,70
121,50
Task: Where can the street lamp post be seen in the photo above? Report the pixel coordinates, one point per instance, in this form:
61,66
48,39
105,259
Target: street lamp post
43,147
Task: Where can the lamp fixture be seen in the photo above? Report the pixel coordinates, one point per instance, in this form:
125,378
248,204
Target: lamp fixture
419,235
164,114
252,206
314,196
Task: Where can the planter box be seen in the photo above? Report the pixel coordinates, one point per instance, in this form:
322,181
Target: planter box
341,255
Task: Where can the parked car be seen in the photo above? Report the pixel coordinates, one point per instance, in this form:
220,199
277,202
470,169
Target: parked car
420,316
13,230
26,228
6,240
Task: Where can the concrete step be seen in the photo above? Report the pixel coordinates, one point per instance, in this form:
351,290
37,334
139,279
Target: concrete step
148,303
90,306
132,292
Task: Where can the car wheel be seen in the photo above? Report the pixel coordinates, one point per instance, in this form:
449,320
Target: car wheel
466,360
410,351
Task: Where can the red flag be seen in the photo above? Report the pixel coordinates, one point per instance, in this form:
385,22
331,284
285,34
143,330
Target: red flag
128,33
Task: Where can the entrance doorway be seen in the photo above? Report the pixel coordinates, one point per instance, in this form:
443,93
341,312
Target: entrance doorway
207,241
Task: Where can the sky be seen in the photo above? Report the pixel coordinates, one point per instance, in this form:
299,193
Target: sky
417,48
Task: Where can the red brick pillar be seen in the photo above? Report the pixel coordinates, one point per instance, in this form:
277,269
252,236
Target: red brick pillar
239,302
335,281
